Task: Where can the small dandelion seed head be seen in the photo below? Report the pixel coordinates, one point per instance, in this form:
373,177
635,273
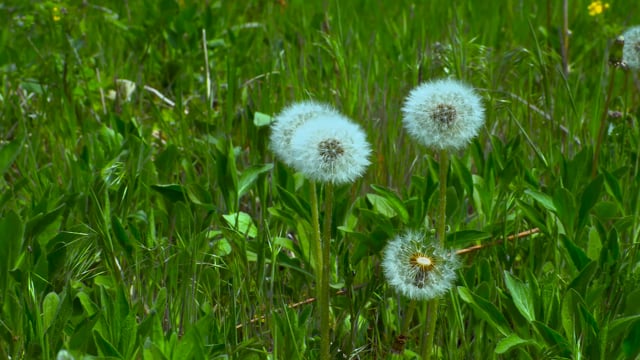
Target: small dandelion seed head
417,267
288,121
631,48
444,114
330,148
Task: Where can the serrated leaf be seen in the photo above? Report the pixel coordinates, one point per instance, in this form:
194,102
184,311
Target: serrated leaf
522,296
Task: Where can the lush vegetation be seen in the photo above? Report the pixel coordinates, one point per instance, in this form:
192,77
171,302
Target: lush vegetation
159,225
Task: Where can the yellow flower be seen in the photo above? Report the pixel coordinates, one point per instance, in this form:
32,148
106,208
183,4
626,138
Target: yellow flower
56,14
597,7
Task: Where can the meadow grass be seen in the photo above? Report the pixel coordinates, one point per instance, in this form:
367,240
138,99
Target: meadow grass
161,226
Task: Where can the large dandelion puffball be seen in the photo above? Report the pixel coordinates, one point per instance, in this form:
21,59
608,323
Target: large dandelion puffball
631,48
443,114
330,148
417,267
288,121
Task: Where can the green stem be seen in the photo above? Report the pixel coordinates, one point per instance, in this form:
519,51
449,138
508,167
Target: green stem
441,229
408,317
603,123
326,272
441,220
318,257
430,334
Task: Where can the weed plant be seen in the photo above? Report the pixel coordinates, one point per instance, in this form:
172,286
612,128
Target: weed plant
143,214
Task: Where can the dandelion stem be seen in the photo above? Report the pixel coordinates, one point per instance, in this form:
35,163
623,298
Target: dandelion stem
441,220
408,317
429,335
320,289
603,123
326,272
441,226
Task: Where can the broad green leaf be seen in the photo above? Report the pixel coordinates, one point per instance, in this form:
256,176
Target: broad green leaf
261,119
105,348
513,341
485,310
87,303
121,234
8,154
522,296
631,344
222,247
200,196
578,257
242,223
249,176
394,202
589,198
594,245
381,206
617,326
583,279
11,240
568,312
564,203
464,238
550,336
295,203
39,223
173,192
532,215
49,309
542,199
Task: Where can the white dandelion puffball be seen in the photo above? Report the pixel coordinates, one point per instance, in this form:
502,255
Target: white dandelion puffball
288,121
330,148
417,267
443,114
631,48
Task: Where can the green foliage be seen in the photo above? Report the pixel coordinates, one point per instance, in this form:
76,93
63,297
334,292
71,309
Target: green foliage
158,225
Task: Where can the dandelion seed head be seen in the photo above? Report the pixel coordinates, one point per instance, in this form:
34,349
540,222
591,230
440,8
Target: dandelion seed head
288,121
631,48
330,148
443,114
417,267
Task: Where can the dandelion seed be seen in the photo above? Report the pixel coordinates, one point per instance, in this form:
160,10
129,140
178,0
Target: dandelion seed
288,121
330,148
417,267
631,48
444,114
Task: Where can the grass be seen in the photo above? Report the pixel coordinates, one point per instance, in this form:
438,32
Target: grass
139,229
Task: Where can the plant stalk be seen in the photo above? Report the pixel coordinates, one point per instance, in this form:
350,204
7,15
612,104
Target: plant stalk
441,229
326,272
323,306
